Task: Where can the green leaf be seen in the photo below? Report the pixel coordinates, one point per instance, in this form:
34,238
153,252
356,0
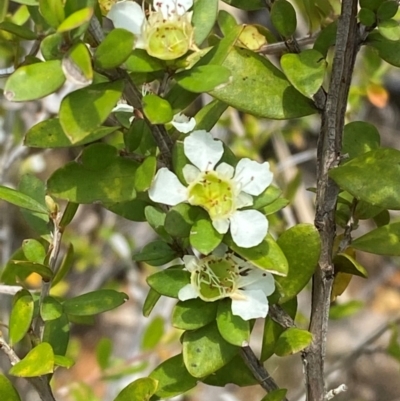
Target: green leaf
139,390
205,351
233,329
366,17
153,334
273,330
247,5
384,240
267,256
168,282
49,134
38,362
141,61
267,197
51,46
33,250
36,189
193,314
228,25
346,264
156,218
50,309
179,220
292,341
326,38
209,115
77,65
63,361
359,137
305,71
204,16
17,30
131,210
21,200
102,176
22,268
84,110
372,177
387,10
56,333
95,302
114,49
103,352
372,5
301,245
283,17
203,236
34,81
390,29
341,311
259,88
21,316
388,50
52,11
172,377
65,265
276,395
7,390
76,19
157,109
235,372
204,78
145,174
150,302
393,348
155,253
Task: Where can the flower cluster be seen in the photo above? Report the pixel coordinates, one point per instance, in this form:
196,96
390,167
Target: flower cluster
221,190
224,275
167,34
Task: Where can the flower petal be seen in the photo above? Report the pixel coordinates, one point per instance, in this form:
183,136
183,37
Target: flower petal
128,15
257,279
254,305
170,7
220,251
167,189
248,228
225,170
253,177
243,200
190,173
190,262
221,225
187,292
202,150
183,123
122,107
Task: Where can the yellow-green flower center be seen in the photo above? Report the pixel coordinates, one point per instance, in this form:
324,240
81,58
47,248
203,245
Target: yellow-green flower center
214,194
168,40
215,278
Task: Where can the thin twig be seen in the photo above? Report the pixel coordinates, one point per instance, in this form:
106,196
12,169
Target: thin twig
328,155
258,370
281,47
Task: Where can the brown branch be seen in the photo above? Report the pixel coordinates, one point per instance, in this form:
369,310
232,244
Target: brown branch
258,370
281,47
328,153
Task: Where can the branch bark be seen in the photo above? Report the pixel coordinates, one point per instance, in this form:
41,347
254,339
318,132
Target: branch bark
328,156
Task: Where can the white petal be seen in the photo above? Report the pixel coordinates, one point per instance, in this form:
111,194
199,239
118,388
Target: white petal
225,170
190,173
257,279
122,107
253,177
202,150
170,7
190,262
243,200
187,292
167,189
248,228
220,250
254,306
128,15
221,225
183,123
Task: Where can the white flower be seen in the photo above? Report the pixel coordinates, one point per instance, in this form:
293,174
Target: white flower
226,276
222,191
168,32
